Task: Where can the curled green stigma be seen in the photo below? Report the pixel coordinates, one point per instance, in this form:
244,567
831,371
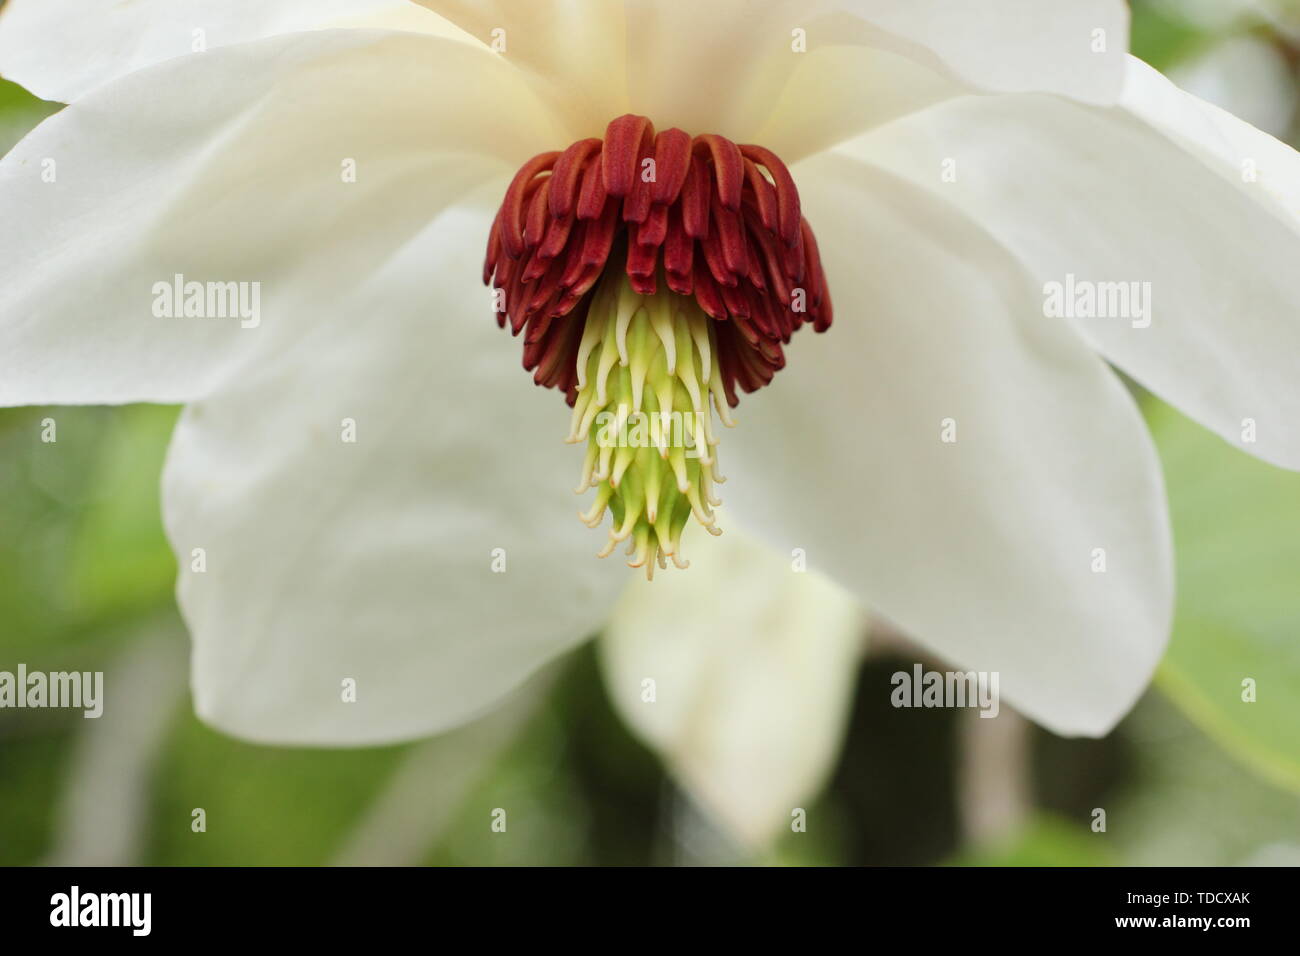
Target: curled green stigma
647,368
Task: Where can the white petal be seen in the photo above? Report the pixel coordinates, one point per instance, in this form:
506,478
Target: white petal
62,49
983,548
1165,190
231,167
795,75
754,666
850,75
1072,47
572,51
328,560
737,68
861,62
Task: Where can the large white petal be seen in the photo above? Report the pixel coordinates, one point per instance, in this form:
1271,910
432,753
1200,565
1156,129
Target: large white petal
62,49
1072,47
230,167
572,51
849,72
795,75
868,61
753,666
983,548
1164,189
792,94
373,560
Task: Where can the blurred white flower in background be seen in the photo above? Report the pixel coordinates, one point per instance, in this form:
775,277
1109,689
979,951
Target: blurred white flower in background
207,139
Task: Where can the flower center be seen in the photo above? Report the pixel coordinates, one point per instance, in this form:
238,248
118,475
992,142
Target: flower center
648,273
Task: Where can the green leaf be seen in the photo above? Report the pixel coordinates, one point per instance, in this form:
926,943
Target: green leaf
1236,524
1164,40
123,562
263,806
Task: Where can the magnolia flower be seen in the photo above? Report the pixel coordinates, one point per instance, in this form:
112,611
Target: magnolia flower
365,491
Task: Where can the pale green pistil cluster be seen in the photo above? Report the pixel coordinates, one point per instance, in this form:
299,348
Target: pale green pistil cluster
647,367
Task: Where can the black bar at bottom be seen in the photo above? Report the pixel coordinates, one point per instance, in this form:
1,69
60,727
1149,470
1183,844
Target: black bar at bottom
301,905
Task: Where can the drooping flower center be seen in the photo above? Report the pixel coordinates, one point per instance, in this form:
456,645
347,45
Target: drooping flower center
649,273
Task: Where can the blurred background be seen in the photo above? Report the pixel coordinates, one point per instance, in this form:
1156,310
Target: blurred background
1192,776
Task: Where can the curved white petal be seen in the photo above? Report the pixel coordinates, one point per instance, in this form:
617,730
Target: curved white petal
295,163
1072,47
1165,190
791,75
572,51
982,548
328,560
753,665
795,75
62,49
835,67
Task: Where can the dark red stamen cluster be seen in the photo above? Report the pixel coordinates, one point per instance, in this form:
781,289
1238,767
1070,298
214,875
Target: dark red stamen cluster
717,221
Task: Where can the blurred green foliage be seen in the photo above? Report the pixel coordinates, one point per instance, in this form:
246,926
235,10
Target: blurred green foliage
1237,531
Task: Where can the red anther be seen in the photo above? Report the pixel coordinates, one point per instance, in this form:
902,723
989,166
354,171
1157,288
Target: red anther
773,357
695,199
755,266
600,237
761,313
582,286
654,230
728,167
637,204
786,192
493,250
730,238
558,368
545,290
793,258
747,332
764,194
536,220
679,283
592,196
623,142
512,207
706,292
672,163
711,249
679,248
557,234
515,293
728,366
567,173
721,222
535,266
733,296
825,312
641,260
573,263
537,327
643,285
